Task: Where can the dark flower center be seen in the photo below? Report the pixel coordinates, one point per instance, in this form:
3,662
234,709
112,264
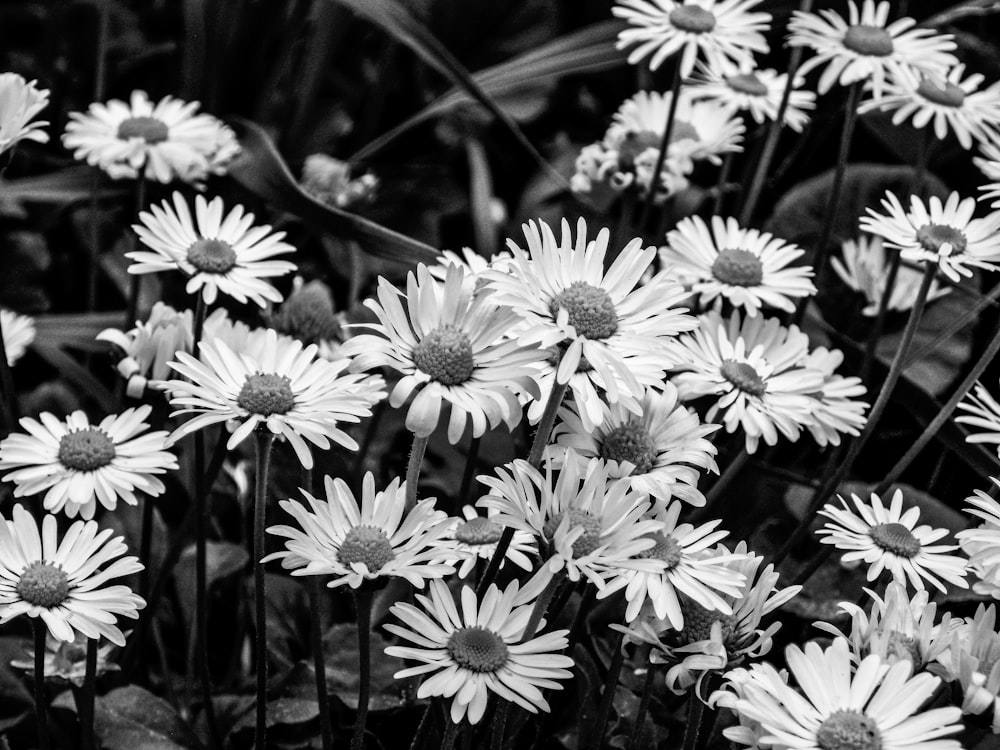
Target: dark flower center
698,621
630,442
949,95
368,545
478,531
848,730
477,649
266,394
211,256
308,315
665,548
904,646
873,41
445,354
86,450
743,376
738,268
895,538
149,129
591,311
692,19
589,540
43,584
933,237
747,83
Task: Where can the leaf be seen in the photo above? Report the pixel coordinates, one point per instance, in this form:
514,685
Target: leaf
63,187
76,330
222,559
262,171
76,373
340,644
129,718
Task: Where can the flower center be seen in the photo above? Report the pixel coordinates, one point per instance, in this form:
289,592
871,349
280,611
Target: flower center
948,95
743,376
308,315
895,538
904,646
591,311
211,256
368,545
589,540
692,19
478,531
477,649
266,394
873,41
848,730
747,83
43,584
446,355
630,442
637,143
149,129
698,621
941,238
86,450
666,548
738,268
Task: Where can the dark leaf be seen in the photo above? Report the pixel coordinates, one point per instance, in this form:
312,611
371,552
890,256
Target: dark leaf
129,718
340,644
76,373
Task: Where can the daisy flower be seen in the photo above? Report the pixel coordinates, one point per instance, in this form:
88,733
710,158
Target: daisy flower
165,141
753,368
746,267
567,299
989,164
474,538
724,32
889,539
660,452
974,661
64,582
329,181
945,234
78,464
354,544
947,102
982,543
866,47
865,269
757,92
66,661
18,332
874,708
836,409
285,389
477,649
20,102
983,413
216,252
451,347
472,263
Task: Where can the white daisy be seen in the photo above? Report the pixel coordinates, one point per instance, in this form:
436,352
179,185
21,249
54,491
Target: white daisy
746,267
78,464
472,263
474,538
335,537
285,389
984,414
64,582
974,661
66,661
18,332
216,252
20,102
945,234
889,539
756,91
835,409
725,32
866,47
982,543
754,368
478,649
989,164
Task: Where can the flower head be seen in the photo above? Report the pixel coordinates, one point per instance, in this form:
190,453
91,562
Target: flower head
18,333
309,315
474,538
836,409
974,660
755,91
67,660
983,413
20,101
989,164
982,543
329,181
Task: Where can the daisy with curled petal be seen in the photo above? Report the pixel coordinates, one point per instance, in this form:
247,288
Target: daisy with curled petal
216,252
984,413
866,47
64,582
18,332
746,267
889,539
755,91
982,543
78,464
754,368
661,452
284,389
566,298
725,32
989,164
836,409
875,707
947,102
474,538
478,648
335,537
974,661
20,101
940,233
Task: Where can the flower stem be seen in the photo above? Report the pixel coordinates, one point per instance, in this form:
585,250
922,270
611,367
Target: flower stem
729,475
470,471
85,709
417,451
145,545
640,714
692,730
661,157
319,661
541,605
871,345
100,66
608,694
363,605
135,279
450,732
264,441
8,402
41,704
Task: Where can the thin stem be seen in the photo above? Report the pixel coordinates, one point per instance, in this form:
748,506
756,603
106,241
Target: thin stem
366,442
85,709
417,451
661,157
319,660
923,161
469,473
100,65
692,730
422,727
145,545
499,726
135,279
729,475
9,400
640,715
264,441
541,605
608,694
450,733
720,185
41,703
871,345
363,605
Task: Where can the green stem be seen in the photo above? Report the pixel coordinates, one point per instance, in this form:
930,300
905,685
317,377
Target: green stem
41,703
450,733
363,605
720,185
468,474
692,730
264,441
608,694
100,65
417,451
145,545
85,709
729,475
640,715
319,661
541,605
661,157
135,279
9,400
871,345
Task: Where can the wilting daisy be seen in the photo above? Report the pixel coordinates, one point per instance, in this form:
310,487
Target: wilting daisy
753,367
451,346
948,103
836,409
64,582
974,660
875,707
216,252
476,649
865,269
945,234
18,333
984,414
165,141
285,389
889,539
758,92
335,537
989,164
661,451
866,47
567,299
474,538
78,464
20,102
724,32
982,543
329,181
746,267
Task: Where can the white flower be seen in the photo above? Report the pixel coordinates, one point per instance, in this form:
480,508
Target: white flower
20,101
835,409
974,660
989,164
18,333
329,181
982,543
474,538
984,414
756,91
